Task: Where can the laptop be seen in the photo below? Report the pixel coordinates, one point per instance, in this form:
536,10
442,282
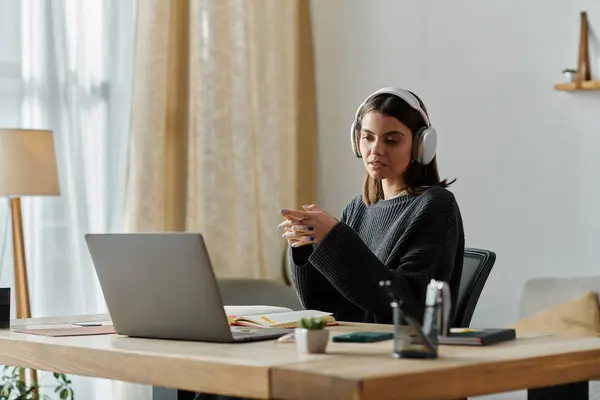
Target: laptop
162,286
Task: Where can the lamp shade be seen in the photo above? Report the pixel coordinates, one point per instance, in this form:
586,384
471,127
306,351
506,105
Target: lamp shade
27,163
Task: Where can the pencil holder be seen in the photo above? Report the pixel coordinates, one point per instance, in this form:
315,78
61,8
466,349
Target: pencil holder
410,341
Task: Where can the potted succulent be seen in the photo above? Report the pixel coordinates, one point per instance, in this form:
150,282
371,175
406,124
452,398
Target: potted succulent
570,74
310,335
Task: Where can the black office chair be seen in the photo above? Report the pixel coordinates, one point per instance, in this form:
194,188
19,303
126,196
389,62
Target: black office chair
477,266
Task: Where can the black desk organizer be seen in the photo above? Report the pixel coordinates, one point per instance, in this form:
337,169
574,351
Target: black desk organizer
411,340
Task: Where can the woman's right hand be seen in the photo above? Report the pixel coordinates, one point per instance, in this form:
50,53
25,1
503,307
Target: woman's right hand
296,231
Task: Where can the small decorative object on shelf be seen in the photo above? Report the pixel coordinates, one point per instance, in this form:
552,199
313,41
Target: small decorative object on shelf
570,74
310,335
580,78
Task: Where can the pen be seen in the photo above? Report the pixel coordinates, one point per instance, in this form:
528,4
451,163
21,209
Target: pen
268,320
386,285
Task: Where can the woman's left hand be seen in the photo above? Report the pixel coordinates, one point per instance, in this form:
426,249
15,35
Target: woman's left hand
306,227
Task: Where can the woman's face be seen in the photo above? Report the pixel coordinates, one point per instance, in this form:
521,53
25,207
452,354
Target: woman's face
385,145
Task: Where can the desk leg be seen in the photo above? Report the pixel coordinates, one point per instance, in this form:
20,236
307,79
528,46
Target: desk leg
160,393
571,391
185,395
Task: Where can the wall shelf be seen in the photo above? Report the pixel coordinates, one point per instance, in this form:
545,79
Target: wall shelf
572,86
583,78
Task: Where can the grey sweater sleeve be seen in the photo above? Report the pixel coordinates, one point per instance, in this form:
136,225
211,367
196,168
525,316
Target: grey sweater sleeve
355,271
314,290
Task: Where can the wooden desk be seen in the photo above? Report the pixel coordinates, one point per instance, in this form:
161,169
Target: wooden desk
366,371
274,370
240,369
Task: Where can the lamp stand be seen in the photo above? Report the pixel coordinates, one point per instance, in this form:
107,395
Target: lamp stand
21,282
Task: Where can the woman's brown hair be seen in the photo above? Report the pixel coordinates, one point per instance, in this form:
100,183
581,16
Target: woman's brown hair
417,176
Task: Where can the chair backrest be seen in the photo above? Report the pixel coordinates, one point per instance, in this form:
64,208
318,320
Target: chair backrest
477,265
247,292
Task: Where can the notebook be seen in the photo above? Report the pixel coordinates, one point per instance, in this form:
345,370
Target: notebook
272,317
477,337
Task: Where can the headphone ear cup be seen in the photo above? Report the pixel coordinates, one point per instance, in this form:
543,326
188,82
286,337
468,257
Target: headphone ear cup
354,141
424,145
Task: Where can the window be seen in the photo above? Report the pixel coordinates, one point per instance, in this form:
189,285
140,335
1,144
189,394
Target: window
10,63
67,66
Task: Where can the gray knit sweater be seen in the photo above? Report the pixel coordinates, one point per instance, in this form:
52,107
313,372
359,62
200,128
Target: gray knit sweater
407,239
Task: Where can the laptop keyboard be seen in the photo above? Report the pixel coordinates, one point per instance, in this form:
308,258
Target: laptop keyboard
242,329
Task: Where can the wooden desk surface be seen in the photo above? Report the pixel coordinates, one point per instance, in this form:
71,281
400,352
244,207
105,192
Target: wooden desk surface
367,371
239,369
269,369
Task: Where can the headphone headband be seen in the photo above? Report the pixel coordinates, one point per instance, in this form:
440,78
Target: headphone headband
404,94
424,140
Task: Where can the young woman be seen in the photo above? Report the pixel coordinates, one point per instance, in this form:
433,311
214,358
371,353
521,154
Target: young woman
406,226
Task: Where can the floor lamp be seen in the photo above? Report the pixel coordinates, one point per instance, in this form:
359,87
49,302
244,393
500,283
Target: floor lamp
27,168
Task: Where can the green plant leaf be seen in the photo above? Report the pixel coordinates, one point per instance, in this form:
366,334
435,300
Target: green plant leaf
311,323
6,391
13,388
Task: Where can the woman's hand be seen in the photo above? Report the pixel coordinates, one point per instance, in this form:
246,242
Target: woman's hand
306,227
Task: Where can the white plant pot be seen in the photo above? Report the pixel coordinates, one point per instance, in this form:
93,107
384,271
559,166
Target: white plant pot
311,340
570,76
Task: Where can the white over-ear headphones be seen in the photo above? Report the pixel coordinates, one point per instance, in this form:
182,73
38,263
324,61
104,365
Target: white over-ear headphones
424,140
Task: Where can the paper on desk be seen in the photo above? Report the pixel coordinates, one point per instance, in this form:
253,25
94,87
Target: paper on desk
236,311
57,330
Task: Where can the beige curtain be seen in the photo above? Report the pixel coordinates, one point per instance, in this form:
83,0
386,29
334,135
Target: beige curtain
223,125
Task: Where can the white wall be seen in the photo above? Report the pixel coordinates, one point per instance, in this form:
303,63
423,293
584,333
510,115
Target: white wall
527,157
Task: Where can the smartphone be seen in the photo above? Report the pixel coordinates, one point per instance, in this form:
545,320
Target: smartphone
363,337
